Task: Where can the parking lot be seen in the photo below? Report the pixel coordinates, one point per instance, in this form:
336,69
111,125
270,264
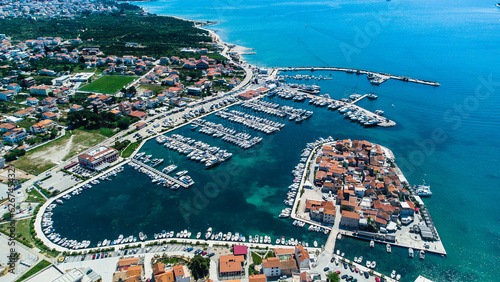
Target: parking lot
59,180
164,248
105,263
324,261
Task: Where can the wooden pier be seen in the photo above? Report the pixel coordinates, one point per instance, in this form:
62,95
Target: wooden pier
357,71
159,173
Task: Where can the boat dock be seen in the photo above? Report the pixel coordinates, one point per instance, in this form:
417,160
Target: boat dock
386,123
435,247
159,173
384,76
359,99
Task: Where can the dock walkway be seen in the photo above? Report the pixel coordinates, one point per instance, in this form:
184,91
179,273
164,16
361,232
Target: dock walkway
359,99
159,173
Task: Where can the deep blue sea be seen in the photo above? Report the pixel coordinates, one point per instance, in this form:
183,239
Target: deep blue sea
447,135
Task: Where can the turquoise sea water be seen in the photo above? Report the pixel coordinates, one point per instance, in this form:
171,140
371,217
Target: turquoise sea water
447,134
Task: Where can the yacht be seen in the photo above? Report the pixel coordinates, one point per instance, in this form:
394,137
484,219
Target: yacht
371,96
169,169
377,80
393,274
372,244
398,277
388,248
198,235
307,114
410,253
423,190
422,254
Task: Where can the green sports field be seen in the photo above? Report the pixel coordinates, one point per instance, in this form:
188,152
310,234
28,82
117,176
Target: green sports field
108,84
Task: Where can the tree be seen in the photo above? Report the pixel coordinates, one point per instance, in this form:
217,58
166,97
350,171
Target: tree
53,133
333,277
199,266
11,157
7,216
123,123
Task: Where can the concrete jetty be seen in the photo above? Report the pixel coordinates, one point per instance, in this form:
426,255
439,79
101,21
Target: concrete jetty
159,173
385,76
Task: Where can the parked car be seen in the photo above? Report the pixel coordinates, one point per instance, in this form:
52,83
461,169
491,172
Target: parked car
326,269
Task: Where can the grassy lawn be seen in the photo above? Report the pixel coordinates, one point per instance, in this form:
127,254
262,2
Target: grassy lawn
22,232
83,140
41,265
35,196
108,84
46,156
130,149
26,123
157,89
256,258
94,70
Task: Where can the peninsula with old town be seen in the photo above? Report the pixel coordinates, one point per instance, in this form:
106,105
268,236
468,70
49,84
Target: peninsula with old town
82,106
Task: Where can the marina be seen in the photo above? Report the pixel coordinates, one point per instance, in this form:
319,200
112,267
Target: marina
377,78
260,124
216,130
346,107
160,177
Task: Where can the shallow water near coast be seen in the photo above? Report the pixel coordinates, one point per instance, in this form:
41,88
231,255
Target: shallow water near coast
445,134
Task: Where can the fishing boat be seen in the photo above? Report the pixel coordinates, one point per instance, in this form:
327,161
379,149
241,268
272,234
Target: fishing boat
388,248
410,253
372,244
